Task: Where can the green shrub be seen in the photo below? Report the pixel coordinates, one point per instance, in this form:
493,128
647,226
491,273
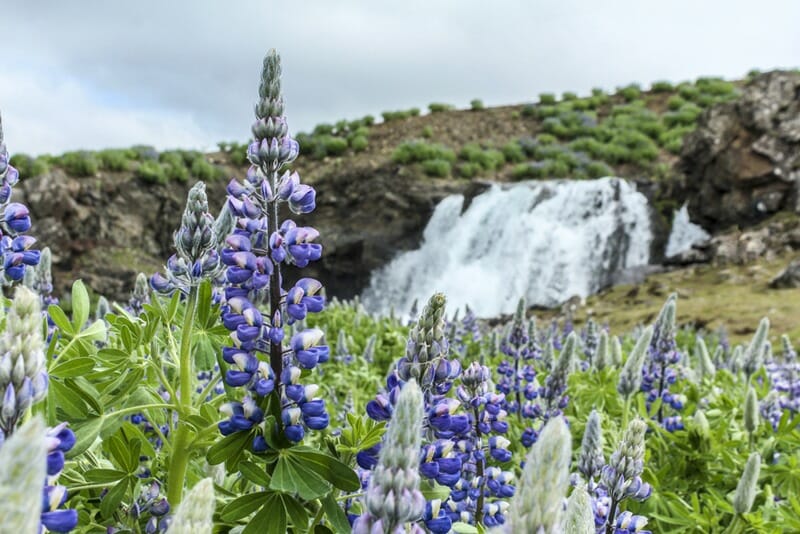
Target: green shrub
675,102
427,132
419,151
662,86
177,173
80,163
568,96
205,171
545,112
359,143
151,172
29,167
547,98
488,160
582,104
368,120
114,160
528,110
436,167
438,107
546,139
525,170
598,169
476,104
630,92
413,112
598,91
688,91
389,116
469,170
334,146
323,129
513,152
238,154
672,140
686,115
515,115
144,153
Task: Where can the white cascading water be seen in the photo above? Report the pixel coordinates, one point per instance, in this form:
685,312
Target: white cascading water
545,240
684,233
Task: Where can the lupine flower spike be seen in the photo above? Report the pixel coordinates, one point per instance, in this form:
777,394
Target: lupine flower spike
591,460
579,515
194,514
538,506
393,498
748,483
23,458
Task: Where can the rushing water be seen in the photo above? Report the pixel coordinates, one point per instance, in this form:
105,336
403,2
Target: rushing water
545,240
684,233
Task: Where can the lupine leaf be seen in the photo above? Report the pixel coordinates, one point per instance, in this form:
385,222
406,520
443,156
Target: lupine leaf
85,433
80,305
271,519
243,506
104,476
254,473
60,319
331,469
72,367
335,514
111,500
291,475
229,449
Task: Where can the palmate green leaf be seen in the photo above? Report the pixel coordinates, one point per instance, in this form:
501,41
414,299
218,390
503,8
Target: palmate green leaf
64,368
104,476
243,506
60,319
271,519
255,473
335,514
292,475
205,351
340,475
229,449
86,433
67,400
80,305
114,497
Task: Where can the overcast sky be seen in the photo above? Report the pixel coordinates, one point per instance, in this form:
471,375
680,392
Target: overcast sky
94,74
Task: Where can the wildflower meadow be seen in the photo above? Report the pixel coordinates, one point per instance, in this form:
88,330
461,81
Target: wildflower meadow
230,395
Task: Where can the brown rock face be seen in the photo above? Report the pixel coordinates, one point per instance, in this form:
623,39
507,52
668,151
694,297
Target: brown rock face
106,229
743,162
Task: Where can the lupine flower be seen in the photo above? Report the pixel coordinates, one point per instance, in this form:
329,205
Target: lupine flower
754,356
592,460
616,352
393,498
621,477
140,294
630,378
22,470
659,371
194,514
579,517
153,504
748,483
23,375
343,353
15,220
706,366
538,506
751,411
603,356
197,257
591,340
253,255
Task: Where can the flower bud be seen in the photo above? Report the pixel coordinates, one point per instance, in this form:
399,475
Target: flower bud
748,483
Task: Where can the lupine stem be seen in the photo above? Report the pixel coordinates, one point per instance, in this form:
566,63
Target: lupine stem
180,446
479,470
276,350
625,411
611,520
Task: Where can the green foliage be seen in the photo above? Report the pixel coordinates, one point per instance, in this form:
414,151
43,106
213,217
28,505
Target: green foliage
662,86
547,99
427,132
568,95
419,151
29,167
488,159
469,170
437,167
476,104
630,92
151,172
204,171
359,143
513,152
116,160
80,164
438,107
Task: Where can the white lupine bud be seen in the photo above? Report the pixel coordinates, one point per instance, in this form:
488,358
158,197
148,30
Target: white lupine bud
754,357
628,459
631,377
746,489
736,363
616,351
706,366
700,425
751,411
23,461
539,502
603,357
393,497
194,514
579,516
591,460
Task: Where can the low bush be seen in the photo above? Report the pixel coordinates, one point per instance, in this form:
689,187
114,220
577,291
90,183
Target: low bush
437,167
29,167
547,99
359,143
438,107
80,164
151,172
469,170
205,171
476,105
513,152
662,86
419,151
630,92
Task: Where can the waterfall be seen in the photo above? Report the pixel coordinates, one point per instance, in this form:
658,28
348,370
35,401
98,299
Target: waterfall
545,240
684,233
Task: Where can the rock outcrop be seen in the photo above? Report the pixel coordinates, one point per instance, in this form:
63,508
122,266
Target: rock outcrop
742,164
788,278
